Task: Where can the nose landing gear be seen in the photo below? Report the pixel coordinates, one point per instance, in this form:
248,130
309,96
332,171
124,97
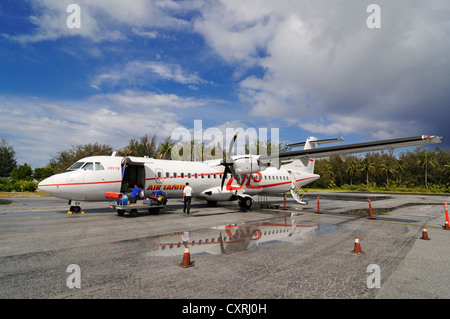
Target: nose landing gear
74,209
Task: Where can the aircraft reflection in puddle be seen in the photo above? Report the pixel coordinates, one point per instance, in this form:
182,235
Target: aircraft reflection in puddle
233,238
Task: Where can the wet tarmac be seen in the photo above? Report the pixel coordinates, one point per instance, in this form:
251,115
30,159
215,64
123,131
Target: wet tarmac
267,252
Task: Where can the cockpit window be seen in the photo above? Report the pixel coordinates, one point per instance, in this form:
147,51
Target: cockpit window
75,166
88,166
98,166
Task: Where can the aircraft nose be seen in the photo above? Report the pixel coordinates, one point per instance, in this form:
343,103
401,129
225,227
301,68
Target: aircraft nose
49,186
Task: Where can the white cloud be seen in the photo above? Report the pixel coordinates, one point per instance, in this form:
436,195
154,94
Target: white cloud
50,127
101,20
320,60
138,72
143,100
148,34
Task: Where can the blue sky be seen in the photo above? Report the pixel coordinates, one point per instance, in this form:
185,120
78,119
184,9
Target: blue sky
309,68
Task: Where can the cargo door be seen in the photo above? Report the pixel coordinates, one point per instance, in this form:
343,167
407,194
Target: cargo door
133,173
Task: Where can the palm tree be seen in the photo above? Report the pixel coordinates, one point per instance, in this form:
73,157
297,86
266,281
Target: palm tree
401,168
367,166
425,161
164,148
329,172
388,168
352,169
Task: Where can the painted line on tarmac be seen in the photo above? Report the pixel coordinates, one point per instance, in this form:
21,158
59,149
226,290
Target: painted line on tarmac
26,209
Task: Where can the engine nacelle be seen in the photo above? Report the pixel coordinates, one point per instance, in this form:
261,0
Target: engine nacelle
216,194
247,164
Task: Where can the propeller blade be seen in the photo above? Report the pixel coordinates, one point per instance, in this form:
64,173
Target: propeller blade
235,176
225,172
230,149
229,163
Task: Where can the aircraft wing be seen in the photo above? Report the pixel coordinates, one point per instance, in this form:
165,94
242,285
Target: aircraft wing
343,150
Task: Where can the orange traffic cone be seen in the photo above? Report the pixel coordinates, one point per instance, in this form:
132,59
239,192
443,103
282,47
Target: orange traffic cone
357,249
186,259
446,226
425,234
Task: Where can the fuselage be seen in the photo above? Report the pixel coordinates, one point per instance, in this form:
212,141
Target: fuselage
91,177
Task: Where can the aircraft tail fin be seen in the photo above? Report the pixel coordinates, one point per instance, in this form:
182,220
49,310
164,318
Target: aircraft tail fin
305,163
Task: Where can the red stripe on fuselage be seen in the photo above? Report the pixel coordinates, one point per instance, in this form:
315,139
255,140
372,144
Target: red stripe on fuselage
73,184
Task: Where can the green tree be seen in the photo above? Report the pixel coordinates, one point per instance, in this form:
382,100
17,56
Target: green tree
425,161
41,173
66,158
401,168
146,146
22,173
352,169
367,166
388,168
7,158
164,148
330,173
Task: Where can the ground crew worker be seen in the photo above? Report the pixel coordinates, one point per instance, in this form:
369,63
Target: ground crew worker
134,194
187,194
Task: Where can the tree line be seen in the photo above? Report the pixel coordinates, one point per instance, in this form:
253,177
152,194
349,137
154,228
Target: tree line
421,169
417,170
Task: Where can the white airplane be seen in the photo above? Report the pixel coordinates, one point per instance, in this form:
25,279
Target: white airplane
91,177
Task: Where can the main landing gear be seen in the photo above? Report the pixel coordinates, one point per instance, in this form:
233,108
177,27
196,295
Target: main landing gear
245,202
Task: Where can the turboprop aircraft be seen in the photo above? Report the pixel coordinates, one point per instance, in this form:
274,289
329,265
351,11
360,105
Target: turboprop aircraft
236,177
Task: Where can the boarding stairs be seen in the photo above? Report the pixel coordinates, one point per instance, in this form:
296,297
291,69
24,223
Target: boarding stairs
296,191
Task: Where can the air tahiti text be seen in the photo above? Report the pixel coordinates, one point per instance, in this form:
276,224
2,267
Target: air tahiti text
165,187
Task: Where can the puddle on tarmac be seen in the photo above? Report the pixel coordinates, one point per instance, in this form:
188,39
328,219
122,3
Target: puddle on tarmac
233,238
365,212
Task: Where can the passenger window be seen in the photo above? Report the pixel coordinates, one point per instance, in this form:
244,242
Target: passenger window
189,175
195,175
182,175
167,174
174,175
98,166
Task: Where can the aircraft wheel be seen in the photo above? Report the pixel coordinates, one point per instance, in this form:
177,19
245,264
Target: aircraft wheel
120,212
75,209
245,203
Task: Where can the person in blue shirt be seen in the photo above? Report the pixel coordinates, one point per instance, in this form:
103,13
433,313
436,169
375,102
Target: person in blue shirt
134,194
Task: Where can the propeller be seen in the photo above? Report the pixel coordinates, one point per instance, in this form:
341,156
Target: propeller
229,163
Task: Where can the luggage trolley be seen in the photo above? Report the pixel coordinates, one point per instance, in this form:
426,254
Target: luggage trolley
153,204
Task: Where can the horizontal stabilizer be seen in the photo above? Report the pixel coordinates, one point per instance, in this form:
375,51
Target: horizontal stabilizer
318,142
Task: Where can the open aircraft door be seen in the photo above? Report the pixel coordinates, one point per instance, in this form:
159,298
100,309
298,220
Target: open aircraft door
133,173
